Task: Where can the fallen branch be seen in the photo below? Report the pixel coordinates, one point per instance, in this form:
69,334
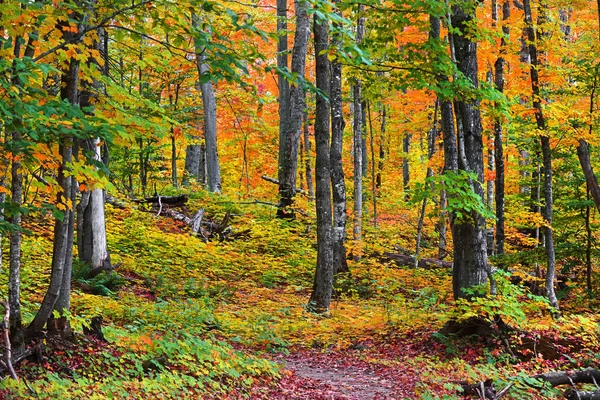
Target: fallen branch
173,201
275,181
425,263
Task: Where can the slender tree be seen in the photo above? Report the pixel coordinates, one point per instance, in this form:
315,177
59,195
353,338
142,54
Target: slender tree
338,183
546,152
358,137
295,105
322,289
213,169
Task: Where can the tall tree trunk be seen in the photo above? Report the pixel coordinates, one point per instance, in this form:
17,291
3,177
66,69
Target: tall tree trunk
308,157
213,169
470,243
406,165
288,161
546,153
449,144
91,222
382,127
14,274
320,299
432,137
58,294
282,82
357,136
338,183
373,168
498,133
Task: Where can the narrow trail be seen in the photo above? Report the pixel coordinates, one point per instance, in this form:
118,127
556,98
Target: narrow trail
343,381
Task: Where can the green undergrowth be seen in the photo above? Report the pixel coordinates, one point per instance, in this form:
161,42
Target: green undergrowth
189,319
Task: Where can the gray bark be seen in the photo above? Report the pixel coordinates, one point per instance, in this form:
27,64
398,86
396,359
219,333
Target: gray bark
91,223
288,160
449,144
338,183
546,154
213,170
58,294
195,163
470,243
498,134
320,299
14,274
308,158
283,84
357,135
405,163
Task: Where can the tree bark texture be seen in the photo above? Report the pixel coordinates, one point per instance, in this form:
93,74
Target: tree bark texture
470,243
338,183
546,153
195,163
308,158
213,170
499,66
321,296
59,289
288,160
357,136
282,82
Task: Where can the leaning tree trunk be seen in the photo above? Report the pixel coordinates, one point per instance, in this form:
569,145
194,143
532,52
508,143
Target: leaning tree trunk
288,160
58,294
470,243
320,299
546,153
338,184
213,169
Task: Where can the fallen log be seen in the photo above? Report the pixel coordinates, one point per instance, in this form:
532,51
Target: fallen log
556,378
572,394
425,263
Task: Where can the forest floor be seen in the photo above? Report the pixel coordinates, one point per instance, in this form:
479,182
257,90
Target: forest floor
228,320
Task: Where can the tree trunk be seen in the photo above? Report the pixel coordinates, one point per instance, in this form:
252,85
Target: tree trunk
195,165
338,183
58,294
498,134
357,142
546,154
308,157
449,145
288,161
14,274
320,299
91,222
470,243
383,116
405,164
282,82
92,244
213,170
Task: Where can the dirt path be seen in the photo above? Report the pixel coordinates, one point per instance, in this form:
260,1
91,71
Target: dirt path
343,381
